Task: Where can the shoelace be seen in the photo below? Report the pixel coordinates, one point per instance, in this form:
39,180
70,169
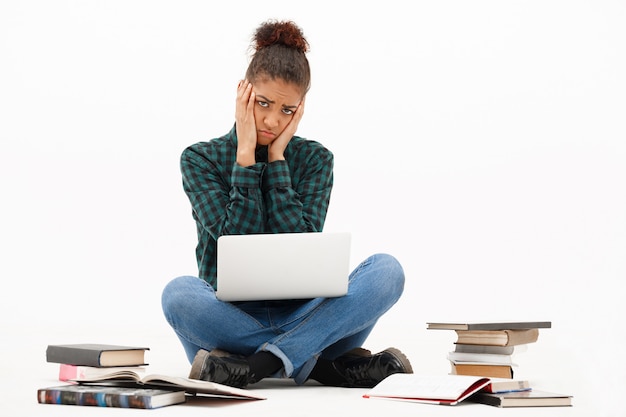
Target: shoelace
238,379
360,373
231,375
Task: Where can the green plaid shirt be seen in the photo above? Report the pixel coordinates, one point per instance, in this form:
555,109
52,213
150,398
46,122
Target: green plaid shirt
278,197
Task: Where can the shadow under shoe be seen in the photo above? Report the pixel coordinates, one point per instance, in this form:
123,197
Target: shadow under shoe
221,367
360,369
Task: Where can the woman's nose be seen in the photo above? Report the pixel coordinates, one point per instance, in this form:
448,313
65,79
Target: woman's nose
271,121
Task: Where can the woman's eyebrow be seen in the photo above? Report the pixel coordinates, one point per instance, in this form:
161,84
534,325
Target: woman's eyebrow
262,97
265,99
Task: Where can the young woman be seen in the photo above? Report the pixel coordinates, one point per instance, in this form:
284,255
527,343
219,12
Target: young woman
260,178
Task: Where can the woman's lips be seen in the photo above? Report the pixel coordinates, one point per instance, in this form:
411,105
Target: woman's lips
267,134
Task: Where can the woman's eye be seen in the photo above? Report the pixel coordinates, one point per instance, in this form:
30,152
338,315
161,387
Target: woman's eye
288,112
263,103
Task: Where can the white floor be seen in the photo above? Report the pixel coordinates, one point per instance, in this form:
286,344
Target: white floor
24,369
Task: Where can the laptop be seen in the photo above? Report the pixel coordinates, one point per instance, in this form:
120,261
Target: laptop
282,266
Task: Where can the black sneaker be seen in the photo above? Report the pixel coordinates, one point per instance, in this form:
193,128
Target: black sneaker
360,369
221,367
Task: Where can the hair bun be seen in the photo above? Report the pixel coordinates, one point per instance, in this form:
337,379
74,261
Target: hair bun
282,33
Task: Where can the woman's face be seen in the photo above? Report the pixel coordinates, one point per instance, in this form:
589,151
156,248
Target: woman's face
275,103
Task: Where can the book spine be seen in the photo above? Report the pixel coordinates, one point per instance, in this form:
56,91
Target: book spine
100,399
73,356
503,338
498,350
489,371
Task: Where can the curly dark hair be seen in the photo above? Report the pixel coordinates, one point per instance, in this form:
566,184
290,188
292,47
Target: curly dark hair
280,53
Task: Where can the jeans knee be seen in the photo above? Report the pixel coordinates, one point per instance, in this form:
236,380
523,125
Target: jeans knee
392,272
175,295
381,274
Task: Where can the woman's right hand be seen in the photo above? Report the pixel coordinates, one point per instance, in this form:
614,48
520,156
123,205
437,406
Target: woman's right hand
245,124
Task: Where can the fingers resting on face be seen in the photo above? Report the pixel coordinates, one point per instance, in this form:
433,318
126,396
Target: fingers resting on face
245,122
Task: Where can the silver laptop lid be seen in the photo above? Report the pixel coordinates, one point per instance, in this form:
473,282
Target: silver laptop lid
282,266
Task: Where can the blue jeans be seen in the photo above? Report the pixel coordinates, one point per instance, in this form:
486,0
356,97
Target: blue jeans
296,331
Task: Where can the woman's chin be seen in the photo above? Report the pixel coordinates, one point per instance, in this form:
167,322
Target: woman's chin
261,141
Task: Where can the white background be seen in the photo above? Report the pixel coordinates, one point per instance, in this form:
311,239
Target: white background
480,142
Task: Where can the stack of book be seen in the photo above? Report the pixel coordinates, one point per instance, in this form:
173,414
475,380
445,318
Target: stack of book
487,349
113,376
482,370
85,360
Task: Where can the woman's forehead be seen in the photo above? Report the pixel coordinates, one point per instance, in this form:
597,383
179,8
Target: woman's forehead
278,91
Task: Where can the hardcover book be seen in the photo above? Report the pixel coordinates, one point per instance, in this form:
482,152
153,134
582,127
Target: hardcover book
497,337
97,355
495,371
503,325
108,396
502,385
532,398
431,389
498,350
